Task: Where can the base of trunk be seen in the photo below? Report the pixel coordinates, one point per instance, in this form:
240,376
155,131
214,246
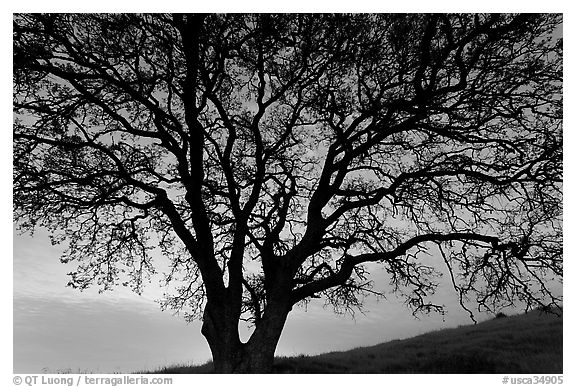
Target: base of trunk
246,360
229,354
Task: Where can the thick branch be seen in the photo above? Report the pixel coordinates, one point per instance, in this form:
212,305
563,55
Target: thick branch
343,274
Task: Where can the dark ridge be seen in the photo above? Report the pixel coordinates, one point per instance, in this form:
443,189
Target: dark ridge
527,343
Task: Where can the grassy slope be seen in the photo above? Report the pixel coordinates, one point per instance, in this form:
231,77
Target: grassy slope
528,343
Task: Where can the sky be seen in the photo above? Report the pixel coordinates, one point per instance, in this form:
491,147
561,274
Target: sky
56,328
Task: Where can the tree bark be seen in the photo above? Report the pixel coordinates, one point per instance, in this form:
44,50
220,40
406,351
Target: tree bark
230,355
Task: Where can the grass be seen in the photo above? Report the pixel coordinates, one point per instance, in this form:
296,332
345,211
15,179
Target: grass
527,343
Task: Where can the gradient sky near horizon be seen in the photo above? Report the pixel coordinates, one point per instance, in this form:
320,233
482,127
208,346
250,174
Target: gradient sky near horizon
56,328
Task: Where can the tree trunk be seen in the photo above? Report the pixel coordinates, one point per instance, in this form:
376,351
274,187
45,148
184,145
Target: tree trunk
230,355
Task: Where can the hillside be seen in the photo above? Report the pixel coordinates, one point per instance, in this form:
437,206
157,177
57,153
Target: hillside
527,343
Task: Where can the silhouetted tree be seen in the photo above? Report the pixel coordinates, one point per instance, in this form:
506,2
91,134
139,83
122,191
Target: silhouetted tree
273,158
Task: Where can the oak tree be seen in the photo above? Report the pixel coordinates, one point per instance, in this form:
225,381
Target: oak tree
273,159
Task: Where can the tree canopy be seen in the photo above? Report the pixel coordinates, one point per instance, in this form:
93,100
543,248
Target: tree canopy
269,158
